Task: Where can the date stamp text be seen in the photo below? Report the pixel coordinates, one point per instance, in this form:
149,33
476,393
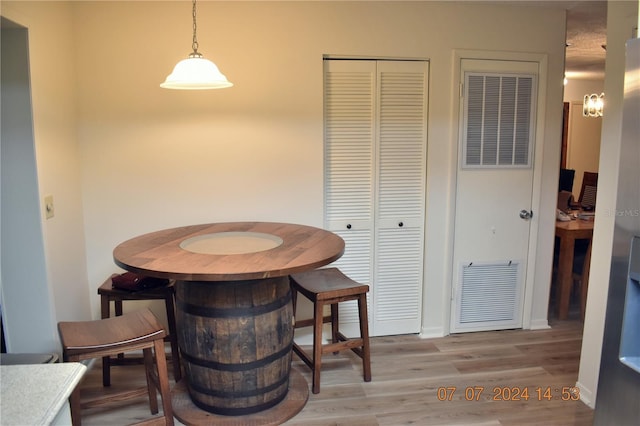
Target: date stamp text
508,393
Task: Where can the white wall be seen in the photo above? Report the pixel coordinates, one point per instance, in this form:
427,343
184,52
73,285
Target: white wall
59,174
154,158
621,18
575,89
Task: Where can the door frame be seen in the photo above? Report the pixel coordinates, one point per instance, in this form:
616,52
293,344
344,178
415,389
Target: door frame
542,61
27,311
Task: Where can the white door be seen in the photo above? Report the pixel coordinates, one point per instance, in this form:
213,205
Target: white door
493,194
375,169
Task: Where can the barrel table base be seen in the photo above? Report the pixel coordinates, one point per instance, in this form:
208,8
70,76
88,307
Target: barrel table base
235,338
186,411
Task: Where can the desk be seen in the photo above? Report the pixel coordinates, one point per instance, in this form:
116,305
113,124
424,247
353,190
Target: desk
569,232
234,313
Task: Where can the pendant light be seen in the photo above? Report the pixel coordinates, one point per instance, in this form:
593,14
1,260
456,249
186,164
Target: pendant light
195,72
592,105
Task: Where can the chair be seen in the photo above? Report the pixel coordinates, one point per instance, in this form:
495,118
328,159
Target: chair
589,190
110,294
139,330
565,181
329,287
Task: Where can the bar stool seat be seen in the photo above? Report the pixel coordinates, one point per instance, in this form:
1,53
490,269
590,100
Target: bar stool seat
139,330
329,286
109,294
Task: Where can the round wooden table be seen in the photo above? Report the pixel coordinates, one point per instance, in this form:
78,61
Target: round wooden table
234,314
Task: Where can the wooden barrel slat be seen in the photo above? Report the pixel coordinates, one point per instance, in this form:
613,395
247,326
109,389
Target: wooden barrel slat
236,342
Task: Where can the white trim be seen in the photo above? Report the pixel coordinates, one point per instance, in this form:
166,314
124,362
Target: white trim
432,332
538,325
586,395
375,58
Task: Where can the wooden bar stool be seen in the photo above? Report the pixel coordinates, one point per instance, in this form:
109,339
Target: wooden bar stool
329,287
167,293
82,340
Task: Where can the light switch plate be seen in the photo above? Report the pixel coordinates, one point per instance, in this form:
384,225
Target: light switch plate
48,206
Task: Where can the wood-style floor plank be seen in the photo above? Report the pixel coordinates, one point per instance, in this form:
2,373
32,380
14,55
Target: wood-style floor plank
409,375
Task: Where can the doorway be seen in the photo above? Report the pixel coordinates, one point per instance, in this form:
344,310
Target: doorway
27,315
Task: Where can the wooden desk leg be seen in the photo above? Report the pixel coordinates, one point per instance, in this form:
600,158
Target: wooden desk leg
565,276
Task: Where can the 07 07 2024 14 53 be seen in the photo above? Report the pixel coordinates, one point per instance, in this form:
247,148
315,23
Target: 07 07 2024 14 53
508,393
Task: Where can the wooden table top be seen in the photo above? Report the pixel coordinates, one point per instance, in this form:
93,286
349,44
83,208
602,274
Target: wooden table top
577,226
256,250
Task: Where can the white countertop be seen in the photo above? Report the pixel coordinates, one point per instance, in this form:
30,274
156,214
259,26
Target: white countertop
34,394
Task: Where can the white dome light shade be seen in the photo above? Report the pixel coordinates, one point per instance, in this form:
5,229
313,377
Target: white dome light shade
196,73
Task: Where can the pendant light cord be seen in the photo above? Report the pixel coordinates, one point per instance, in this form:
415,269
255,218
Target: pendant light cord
194,44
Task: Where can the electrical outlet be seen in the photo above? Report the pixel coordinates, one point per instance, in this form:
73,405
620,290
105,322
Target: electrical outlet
48,206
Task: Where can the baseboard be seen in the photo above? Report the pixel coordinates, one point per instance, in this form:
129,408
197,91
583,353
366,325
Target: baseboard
431,332
541,324
586,396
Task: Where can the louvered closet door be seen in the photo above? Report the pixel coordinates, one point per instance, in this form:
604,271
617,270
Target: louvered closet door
375,167
349,116
401,170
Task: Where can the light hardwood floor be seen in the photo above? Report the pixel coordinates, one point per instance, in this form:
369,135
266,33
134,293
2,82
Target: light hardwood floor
412,375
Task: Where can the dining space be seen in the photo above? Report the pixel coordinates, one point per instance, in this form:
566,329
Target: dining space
231,293
572,253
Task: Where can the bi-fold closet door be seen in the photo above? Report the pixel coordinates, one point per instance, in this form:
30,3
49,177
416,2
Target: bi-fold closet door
375,117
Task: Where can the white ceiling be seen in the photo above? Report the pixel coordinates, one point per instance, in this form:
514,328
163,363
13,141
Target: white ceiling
586,34
586,39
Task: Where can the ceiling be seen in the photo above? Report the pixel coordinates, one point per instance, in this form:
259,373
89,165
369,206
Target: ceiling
586,39
586,34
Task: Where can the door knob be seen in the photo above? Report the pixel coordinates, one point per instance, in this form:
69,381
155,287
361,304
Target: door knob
526,214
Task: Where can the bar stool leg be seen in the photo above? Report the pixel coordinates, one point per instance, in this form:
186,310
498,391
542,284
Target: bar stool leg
364,335
294,299
163,381
151,389
74,400
318,320
335,327
106,360
118,310
173,337
106,313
